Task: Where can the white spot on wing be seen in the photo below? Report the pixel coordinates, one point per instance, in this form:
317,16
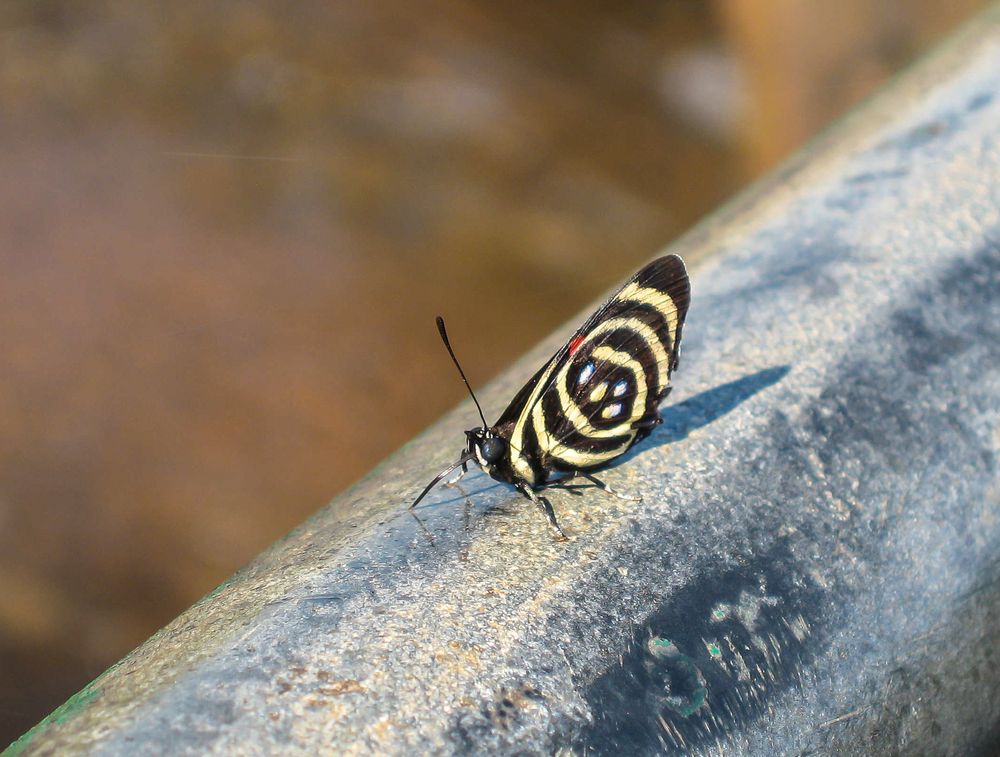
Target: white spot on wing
573,414
612,411
585,374
620,388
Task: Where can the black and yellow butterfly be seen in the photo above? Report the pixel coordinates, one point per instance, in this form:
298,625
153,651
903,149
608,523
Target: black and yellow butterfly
595,398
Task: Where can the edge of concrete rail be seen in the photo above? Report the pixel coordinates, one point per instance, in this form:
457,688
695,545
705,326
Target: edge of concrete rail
815,567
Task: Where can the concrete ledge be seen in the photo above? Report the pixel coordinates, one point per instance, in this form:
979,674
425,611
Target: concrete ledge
815,567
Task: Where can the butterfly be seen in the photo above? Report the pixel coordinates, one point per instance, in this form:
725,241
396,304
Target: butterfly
594,399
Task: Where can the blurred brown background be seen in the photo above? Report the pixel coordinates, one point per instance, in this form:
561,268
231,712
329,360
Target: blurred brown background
226,228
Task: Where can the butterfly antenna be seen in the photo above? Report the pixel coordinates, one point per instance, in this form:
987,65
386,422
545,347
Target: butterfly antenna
444,338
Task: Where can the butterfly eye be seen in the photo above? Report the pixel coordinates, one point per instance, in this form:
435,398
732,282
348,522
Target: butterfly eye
493,449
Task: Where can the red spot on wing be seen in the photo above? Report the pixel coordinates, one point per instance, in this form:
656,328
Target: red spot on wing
574,345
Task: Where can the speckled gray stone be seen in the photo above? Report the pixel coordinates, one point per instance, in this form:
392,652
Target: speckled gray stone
816,565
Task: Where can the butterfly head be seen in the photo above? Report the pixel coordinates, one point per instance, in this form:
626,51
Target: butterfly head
486,447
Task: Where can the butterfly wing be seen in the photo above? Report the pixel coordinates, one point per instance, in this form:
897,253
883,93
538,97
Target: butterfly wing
600,392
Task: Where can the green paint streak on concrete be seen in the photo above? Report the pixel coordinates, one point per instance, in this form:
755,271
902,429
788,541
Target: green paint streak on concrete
688,708
213,593
64,713
685,706
659,646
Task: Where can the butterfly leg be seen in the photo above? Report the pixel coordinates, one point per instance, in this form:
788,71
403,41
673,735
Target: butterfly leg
597,482
423,528
546,507
466,506
647,425
459,477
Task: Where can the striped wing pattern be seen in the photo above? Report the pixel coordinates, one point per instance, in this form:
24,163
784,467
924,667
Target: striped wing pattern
601,392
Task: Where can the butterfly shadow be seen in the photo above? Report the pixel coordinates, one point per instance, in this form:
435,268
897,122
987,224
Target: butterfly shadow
690,415
678,422
707,407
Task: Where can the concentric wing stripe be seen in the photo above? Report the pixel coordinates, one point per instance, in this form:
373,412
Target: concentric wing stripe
519,461
636,337
663,304
648,314
573,423
581,458
580,421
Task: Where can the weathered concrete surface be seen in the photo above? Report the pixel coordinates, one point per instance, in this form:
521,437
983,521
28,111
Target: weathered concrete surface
815,568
